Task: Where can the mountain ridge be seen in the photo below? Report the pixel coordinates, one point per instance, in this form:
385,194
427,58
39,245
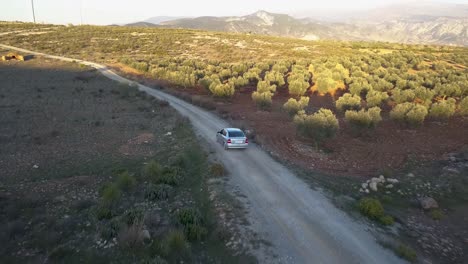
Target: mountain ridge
414,27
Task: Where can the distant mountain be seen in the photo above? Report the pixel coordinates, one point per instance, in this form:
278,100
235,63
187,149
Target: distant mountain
413,22
158,19
141,24
261,22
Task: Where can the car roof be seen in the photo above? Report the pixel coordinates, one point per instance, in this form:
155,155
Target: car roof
233,129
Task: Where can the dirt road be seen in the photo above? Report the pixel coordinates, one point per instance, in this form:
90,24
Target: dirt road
302,224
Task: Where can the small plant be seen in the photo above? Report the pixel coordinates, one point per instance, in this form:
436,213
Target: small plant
323,124
103,212
386,220
152,170
192,221
348,102
443,109
158,192
436,214
463,106
409,113
131,237
110,194
133,216
217,170
125,181
406,252
364,119
372,208
292,106
175,245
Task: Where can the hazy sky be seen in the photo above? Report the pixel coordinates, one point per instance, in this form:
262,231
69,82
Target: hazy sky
120,11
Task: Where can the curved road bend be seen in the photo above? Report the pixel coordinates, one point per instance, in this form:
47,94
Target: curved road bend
301,223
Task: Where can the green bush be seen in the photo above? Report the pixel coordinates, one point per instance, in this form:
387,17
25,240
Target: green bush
436,214
463,106
292,106
386,220
263,100
110,194
407,253
192,221
133,216
320,125
364,119
372,208
152,170
170,176
125,182
275,77
348,102
175,245
409,113
222,89
443,109
375,98
298,87
158,192
103,212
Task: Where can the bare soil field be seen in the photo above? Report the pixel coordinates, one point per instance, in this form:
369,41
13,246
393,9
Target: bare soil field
97,172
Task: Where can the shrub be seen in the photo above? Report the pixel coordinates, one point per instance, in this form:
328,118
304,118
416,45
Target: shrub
103,212
402,96
158,192
133,216
386,220
320,125
348,102
222,89
298,87
131,237
463,106
265,86
436,214
110,194
375,98
275,77
175,244
263,100
292,106
125,181
170,175
443,109
409,113
364,118
372,208
192,221
152,170
217,170
407,253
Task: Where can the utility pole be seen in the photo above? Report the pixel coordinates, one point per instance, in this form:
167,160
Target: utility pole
81,11
34,15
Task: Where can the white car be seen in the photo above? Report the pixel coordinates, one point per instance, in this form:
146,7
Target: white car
232,138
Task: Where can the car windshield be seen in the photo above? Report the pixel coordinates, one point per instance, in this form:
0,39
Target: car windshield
236,134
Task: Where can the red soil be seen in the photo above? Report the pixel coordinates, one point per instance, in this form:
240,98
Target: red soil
389,146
